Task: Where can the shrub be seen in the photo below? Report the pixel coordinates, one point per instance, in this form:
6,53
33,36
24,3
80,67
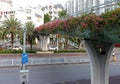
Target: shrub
4,51
70,51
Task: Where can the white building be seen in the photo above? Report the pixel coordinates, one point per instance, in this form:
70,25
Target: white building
49,41
6,10
36,15
53,10
29,13
77,7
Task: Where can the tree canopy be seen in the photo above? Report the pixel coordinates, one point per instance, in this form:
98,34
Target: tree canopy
11,25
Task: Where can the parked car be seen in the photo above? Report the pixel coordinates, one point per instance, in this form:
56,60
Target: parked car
52,48
17,48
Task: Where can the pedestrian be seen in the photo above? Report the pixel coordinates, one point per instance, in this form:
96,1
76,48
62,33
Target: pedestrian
114,59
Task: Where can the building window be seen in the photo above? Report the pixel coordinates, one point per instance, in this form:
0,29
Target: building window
54,12
50,12
28,18
5,12
28,11
50,7
38,19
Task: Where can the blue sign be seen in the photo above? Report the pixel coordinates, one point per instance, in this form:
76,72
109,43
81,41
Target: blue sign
24,58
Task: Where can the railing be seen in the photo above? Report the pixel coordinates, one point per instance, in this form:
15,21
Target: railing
43,61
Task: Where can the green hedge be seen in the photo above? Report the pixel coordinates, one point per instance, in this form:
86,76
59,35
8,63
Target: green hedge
70,51
4,51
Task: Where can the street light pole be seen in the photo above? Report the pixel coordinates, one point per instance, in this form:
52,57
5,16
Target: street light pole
24,71
24,48
24,40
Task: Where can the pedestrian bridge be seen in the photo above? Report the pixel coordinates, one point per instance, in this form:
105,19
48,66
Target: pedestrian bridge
100,33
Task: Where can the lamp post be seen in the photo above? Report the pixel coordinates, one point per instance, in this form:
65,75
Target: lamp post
24,71
24,39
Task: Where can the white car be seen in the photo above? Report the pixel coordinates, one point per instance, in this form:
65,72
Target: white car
17,48
53,48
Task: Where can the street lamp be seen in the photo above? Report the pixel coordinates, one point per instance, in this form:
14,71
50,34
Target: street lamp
24,71
24,39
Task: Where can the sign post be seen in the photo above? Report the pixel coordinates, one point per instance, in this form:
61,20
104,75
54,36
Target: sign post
24,60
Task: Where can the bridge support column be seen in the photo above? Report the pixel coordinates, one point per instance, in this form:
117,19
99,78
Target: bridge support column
99,57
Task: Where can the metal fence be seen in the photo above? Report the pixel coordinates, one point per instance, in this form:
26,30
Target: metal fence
42,61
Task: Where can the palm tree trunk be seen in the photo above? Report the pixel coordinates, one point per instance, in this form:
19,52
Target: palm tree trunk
12,40
31,44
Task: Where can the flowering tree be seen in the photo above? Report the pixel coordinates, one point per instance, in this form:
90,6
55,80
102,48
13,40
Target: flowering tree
90,26
52,27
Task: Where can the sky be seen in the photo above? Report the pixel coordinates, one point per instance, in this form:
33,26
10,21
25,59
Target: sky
33,3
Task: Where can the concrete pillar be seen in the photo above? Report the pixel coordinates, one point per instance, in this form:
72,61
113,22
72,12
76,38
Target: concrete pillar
100,58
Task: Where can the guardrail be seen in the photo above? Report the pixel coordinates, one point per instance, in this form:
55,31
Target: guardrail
42,61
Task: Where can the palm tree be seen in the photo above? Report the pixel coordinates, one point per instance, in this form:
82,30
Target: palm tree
30,32
11,26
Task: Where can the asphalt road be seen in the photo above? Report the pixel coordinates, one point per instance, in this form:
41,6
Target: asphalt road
56,73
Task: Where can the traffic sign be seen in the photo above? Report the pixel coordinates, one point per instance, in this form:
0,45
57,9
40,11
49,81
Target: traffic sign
24,58
24,75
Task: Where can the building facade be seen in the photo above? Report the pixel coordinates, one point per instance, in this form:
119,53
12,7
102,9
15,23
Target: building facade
77,7
50,42
6,10
53,10
33,14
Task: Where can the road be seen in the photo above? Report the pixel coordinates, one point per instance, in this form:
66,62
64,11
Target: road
56,73
53,74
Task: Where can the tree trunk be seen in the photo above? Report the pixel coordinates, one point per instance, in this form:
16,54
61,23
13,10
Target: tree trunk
31,44
12,40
